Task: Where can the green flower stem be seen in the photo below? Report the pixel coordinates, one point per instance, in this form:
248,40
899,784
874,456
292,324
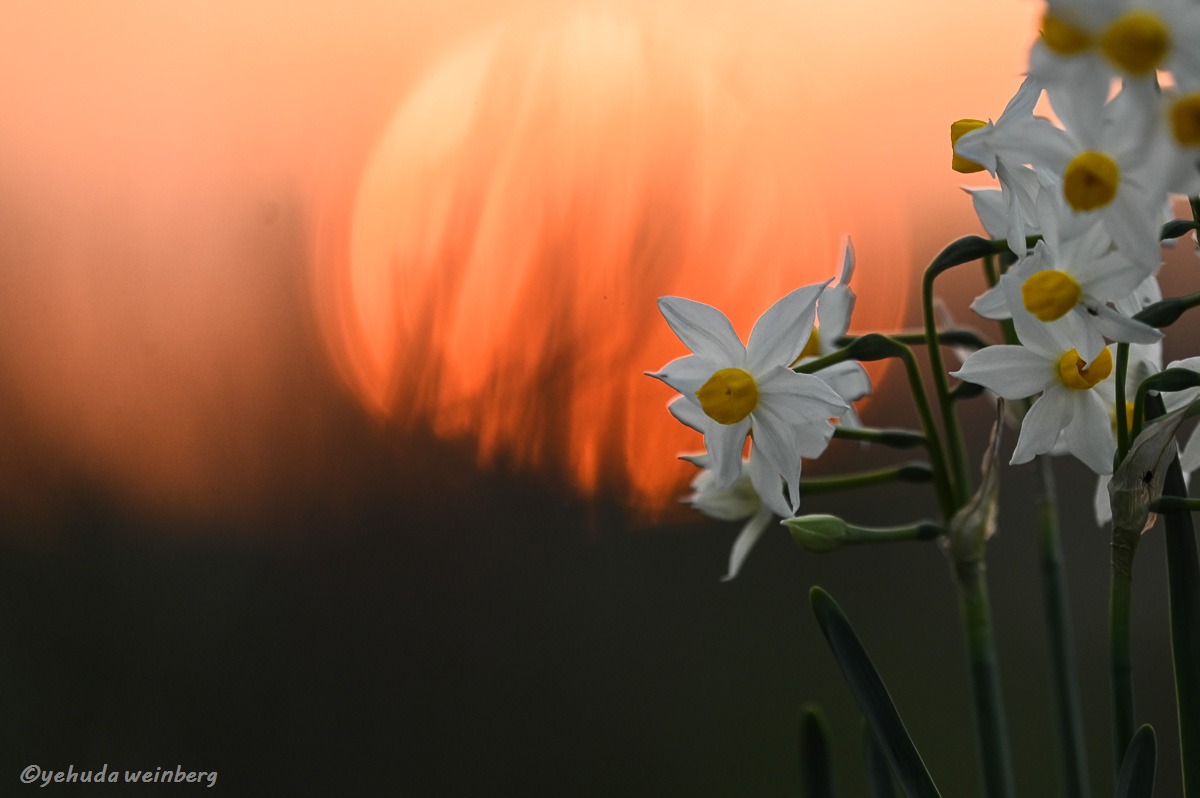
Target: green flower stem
955,447
1165,381
832,359
956,337
822,533
964,250
906,472
1058,623
990,272
897,534
1174,504
895,438
1122,420
1121,647
878,347
942,478
985,679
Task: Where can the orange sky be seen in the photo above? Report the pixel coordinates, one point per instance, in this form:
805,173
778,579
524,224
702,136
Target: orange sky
473,205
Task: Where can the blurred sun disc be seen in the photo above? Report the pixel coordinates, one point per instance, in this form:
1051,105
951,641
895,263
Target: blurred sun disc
540,186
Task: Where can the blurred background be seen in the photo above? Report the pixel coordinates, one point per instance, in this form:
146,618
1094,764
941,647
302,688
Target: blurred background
328,460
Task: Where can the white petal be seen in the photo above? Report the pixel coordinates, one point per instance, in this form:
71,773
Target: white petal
1040,143
746,540
799,396
690,415
812,439
1023,102
1133,118
1112,277
704,330
1013,372
724,443
1049,416
1118,327
1085,332
992,303
780,334
1100,500
847,261
685,374
990,208
1130,221
1078,98
848,380
767,483
1019,185
1089,435
834,311
773,436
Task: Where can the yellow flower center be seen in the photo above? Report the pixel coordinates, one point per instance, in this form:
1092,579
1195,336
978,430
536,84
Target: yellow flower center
1137,42
1050,294
1063,38
729,396
1081,376
957,130
1185,120
1091,180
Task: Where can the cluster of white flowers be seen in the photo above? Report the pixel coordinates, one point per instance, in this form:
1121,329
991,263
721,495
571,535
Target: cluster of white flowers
1124,81
1081,203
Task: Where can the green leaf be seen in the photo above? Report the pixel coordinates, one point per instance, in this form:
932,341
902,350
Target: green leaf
965,250
1177,228
879,775
895,438
1136,779
1172,380
1183,590
814,754
1163,313
872,697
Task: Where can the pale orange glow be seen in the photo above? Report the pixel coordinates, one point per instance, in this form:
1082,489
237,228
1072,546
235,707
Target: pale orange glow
481,200
553,174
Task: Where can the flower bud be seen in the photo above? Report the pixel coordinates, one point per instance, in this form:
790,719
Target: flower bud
817,532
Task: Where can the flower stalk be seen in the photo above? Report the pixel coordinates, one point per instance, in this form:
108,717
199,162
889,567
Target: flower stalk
1072,749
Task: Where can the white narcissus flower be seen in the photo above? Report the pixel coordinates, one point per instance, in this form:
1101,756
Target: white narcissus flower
1107,165
1069,283
1182,132
766,484
736,502
848,379
751,389
1085,44
1069,404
